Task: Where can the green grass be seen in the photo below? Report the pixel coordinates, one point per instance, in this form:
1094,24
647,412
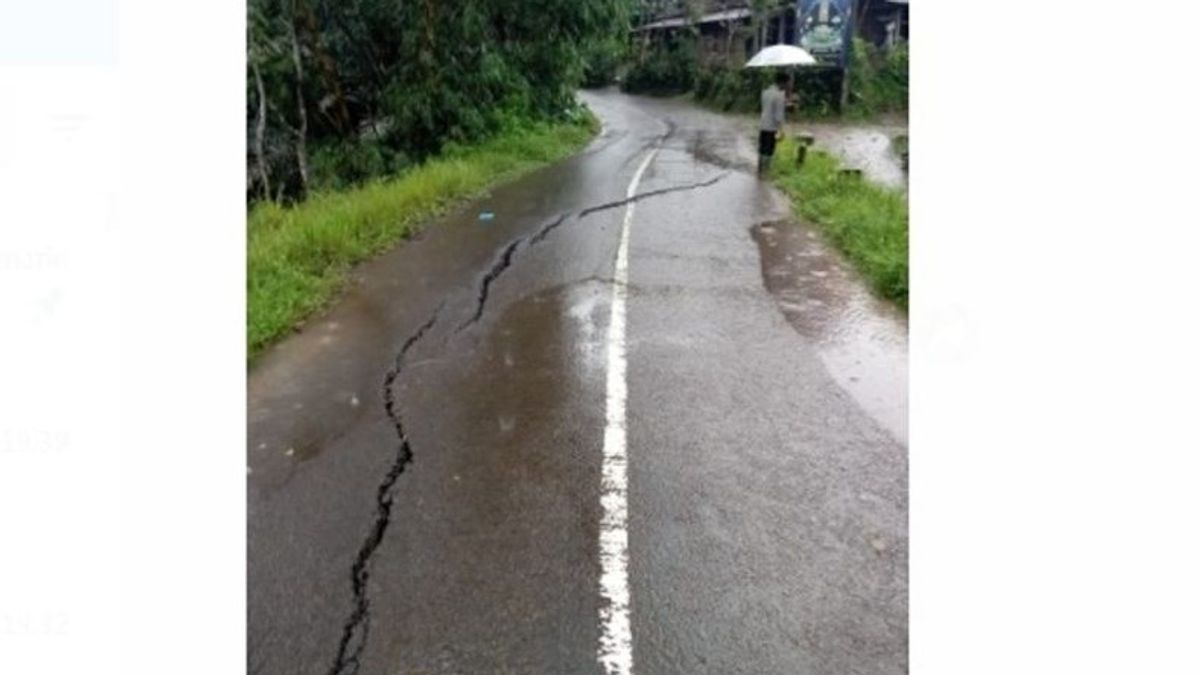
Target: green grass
867,222
298,256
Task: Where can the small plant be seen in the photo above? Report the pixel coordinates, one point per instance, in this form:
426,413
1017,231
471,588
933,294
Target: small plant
868,223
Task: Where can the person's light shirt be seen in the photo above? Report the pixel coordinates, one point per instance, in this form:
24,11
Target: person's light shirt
773,102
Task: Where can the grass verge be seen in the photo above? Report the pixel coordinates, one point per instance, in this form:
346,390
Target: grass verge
298,256
867,222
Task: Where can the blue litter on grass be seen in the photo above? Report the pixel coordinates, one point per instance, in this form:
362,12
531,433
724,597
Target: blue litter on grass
487,215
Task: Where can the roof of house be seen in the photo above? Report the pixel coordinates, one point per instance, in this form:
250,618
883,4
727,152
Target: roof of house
677,21
674,14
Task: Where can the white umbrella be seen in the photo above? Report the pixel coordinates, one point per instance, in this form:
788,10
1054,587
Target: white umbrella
781,55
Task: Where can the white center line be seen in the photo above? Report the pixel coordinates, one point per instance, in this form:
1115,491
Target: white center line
616,640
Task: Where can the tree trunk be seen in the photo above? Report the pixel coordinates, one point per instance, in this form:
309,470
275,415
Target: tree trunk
858,10
260,130
302,132
844,99
328,68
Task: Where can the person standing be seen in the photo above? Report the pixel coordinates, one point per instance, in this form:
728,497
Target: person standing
774,102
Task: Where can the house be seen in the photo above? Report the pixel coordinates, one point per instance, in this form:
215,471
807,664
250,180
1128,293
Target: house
883,22
729,30
725,30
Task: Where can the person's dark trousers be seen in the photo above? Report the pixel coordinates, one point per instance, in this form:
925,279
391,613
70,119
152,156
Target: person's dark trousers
766,149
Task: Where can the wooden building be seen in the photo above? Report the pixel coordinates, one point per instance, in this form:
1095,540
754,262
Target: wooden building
728,30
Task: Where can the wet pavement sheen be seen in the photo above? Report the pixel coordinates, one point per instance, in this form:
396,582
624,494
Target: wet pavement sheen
768,470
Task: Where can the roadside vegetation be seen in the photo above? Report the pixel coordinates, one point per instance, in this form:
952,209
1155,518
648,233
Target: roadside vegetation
341,92
867,222
878,80
298,254
366,117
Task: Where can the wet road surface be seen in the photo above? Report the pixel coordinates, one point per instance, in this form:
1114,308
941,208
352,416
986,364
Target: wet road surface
425,459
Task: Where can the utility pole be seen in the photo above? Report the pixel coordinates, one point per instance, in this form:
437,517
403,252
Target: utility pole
847,55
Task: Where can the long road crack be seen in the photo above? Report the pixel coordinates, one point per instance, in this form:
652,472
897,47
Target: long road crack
504,259
650,193
357,626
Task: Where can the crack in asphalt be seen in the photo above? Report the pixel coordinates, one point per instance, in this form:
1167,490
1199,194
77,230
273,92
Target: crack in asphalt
358,624
672,127
650,193
505,258
547,228
502,263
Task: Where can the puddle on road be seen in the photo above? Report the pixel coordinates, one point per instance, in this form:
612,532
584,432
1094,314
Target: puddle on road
868,148
862,340
730,140
522,396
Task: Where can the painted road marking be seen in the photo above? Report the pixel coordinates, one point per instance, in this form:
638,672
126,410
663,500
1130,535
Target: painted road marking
616,639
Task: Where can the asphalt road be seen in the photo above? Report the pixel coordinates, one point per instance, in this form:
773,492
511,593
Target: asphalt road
427,459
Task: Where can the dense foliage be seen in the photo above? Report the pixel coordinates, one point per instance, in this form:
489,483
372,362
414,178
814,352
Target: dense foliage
342,90
602,59
740,89
672,63
878,81
667,68
878,78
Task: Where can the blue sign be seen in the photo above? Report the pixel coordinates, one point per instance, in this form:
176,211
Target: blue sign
825,28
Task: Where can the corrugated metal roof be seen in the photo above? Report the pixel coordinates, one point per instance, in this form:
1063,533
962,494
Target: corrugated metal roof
678,21
674,22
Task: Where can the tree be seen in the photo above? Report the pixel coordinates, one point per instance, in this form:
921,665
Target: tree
351,88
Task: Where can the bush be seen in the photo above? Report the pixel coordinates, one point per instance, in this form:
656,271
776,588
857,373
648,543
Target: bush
669,70
731,88
878,80
820,91
437,72
739,89
343,165
601,59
